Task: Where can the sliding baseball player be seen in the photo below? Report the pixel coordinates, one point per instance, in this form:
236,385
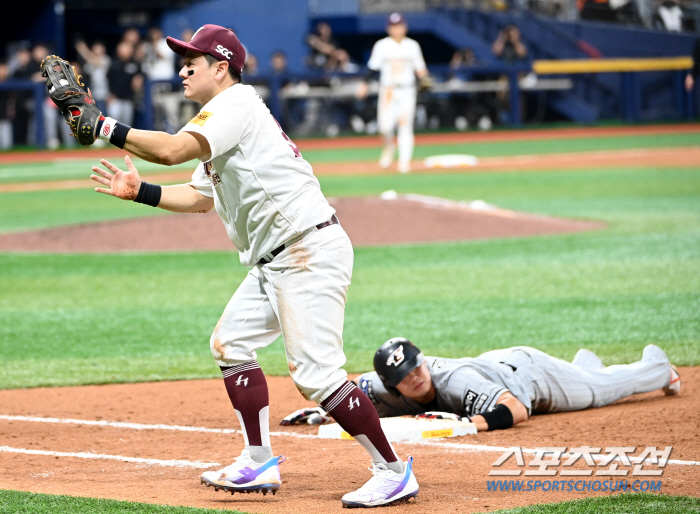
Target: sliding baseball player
501,388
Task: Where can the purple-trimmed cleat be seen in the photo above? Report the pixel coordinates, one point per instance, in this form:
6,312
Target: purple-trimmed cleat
384,488
246,476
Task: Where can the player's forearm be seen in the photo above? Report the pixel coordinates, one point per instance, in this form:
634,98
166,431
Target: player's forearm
157,147
499,418
184,198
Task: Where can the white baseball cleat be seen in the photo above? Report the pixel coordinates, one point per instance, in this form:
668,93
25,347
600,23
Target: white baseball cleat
385,488
587,359
387,156
246,476
405,167
674,386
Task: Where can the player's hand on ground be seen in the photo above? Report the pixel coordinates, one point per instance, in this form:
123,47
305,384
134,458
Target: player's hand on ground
311,416
441,415
119,183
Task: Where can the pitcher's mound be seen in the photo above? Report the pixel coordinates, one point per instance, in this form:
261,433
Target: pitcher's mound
390,219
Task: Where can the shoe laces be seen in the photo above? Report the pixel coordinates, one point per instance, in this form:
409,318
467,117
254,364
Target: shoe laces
239,462
379,474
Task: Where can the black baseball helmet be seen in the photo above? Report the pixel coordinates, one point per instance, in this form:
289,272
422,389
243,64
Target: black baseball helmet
395,359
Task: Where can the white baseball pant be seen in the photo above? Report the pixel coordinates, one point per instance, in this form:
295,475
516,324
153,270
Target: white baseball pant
395,112
556,385
301,294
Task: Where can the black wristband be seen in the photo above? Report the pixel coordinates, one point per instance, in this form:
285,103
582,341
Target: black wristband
149,194
118,137
499,418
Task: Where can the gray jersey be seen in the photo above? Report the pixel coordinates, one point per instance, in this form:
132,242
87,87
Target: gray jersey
542,383
467,386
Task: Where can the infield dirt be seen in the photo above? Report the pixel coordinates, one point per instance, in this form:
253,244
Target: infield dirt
317,472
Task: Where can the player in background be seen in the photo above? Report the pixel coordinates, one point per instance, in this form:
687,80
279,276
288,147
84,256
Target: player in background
501,388
398,59
283,227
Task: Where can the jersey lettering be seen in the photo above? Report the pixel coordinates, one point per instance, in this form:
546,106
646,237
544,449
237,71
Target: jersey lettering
294,147
224,51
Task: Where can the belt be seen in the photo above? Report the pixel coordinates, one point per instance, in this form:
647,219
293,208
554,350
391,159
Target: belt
268,257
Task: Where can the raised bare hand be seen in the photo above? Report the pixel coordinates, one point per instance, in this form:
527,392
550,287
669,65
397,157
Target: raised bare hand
122,184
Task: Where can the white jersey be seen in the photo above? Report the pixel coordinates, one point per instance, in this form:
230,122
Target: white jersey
397,63
263,190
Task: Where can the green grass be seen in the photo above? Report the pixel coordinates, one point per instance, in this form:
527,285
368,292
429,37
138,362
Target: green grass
15,502
12,502
504,148
72,168
68,319
638,503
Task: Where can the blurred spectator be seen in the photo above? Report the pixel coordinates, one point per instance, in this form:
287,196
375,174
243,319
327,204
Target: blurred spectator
159,59
465,110
462,58
125,81
343,62
508,45
323,47
25,69
278,61
132,36
187,35
669,16
250,68
159,65
97,64
6,110
510,48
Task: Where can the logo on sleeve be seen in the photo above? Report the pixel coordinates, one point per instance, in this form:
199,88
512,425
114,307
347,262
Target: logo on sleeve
212,174
479,405
366,387
469,401
396,357
201,118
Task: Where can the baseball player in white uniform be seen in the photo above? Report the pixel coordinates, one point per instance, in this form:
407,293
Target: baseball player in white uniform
398,59
275,214
501,388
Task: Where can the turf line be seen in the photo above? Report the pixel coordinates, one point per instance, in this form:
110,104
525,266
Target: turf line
181,428
85,455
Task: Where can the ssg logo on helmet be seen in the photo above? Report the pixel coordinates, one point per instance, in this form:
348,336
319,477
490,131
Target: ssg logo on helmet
396,357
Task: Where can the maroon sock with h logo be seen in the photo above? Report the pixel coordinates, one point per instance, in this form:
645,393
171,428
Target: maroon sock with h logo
354,411
247,389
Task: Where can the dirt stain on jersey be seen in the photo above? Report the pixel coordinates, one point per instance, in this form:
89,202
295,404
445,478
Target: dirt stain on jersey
292,367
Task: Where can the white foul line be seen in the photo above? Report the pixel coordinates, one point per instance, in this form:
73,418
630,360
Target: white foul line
142,426
182,428
85,455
